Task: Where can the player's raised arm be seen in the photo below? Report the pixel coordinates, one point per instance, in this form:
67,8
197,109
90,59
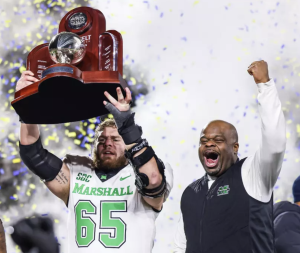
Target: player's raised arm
149,169
47,166
261,171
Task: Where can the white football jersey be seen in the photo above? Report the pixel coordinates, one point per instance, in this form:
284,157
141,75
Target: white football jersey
108,216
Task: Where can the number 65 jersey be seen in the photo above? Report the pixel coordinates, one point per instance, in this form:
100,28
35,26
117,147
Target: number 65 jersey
108,216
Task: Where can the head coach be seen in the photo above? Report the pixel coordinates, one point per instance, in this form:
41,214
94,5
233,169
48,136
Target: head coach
230,209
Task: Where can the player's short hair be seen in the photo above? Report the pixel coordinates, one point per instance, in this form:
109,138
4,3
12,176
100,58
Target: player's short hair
104,124
99,129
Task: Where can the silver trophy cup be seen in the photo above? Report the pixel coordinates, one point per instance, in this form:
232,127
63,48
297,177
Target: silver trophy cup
66,47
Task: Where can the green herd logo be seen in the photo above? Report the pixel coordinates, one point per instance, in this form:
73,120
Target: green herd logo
223,190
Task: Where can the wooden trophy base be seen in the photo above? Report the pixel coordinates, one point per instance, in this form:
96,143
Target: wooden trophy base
65,94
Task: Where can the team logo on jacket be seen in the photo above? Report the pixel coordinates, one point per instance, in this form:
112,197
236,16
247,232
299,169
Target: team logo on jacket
223,190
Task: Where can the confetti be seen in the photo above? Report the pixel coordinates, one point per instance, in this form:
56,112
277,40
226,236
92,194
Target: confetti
167,50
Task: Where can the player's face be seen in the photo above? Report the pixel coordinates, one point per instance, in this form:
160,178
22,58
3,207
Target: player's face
111,149
216,150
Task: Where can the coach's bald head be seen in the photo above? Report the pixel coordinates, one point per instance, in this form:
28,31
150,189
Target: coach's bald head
218,147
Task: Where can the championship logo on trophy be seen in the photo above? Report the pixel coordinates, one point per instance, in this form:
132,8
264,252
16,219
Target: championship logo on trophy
74,69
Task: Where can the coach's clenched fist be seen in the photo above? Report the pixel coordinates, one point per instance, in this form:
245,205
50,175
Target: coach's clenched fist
259,71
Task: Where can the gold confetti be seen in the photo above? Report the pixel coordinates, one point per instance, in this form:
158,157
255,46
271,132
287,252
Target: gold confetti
16,160
32,186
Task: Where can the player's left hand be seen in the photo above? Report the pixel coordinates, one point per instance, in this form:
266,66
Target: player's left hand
119,109
123,104
259,71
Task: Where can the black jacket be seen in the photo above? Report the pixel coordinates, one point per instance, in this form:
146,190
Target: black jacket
224,218
287,227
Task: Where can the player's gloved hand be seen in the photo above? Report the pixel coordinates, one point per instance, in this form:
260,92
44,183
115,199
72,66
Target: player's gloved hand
35,235
130,132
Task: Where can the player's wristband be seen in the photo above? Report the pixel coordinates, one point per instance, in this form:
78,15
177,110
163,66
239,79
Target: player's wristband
130,132
139,146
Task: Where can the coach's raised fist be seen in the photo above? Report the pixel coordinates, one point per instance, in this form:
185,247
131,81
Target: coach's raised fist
259,71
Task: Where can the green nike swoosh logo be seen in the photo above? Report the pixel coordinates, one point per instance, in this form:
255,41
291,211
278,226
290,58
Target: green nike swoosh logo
123,178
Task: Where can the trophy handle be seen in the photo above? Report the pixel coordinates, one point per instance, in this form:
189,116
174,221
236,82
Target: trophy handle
111,51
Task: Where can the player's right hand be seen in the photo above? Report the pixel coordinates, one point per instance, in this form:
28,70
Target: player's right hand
26,79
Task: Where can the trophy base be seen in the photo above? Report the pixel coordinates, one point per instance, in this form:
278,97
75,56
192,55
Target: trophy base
64,98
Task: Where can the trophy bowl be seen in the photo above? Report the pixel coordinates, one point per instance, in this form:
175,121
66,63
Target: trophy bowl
66,47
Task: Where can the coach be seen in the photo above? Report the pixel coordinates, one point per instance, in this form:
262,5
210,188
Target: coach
229,210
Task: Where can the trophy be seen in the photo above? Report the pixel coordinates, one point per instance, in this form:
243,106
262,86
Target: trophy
74,69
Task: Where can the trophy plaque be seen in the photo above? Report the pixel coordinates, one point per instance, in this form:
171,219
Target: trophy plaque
74,69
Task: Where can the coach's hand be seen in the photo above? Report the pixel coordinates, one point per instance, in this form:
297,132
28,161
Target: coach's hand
259,71
26,79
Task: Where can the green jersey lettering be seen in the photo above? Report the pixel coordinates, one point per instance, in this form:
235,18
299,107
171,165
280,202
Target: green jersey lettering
87,178
100,192
79,176
122,192
78,189
93,191
115,192
128,190
86,191
107,192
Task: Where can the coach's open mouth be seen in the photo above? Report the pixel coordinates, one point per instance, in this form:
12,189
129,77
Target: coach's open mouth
211,158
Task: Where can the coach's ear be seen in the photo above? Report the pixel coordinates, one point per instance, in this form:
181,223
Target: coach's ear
236,148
